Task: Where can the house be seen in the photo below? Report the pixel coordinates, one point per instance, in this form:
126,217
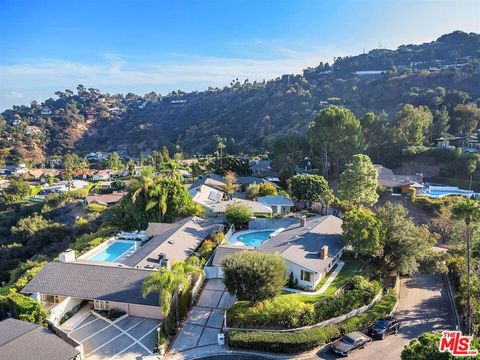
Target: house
102,175
310,248
206,196
262,168
170,243
34,174
45,111
245,181
21,340
219,208
104,199
213,181
278,203
14,170
103,286
397,184
213,269
84,174
466,143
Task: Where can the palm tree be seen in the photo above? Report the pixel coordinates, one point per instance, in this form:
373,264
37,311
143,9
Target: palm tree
171,170
195,169
157,197
168,283
468,211
143,184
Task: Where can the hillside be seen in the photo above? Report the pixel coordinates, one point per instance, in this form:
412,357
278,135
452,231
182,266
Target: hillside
249,115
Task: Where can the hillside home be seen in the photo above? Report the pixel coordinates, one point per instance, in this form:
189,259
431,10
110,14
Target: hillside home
21,340
102,175
310,248
280,205
206,196
45,111
262,168
104,199
397,184
219,208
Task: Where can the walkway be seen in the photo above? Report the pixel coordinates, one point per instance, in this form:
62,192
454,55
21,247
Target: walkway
324,286
205,320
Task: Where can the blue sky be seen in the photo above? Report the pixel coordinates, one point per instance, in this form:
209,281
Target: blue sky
144,45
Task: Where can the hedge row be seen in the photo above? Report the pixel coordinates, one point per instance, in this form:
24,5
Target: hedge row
22,307
295,342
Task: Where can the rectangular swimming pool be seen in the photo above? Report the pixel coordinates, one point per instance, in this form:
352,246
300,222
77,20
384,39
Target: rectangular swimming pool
114,251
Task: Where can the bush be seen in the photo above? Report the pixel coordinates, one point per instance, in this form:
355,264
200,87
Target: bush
95,208
209,245
238,214
287,343
294,342
24,308
89,241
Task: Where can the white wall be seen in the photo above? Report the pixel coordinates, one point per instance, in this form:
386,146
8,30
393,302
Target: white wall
296,270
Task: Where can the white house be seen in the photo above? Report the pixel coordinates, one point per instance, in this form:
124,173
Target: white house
278,203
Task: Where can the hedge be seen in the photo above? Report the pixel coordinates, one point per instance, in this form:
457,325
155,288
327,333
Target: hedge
89,241
295,342
24,308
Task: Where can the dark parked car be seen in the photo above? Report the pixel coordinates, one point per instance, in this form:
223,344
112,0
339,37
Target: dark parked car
383,327
350,342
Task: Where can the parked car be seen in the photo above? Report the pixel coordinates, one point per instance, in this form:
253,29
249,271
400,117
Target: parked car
383,327
349,342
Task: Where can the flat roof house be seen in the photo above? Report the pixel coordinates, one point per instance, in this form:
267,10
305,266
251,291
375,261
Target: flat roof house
278,203
310,248
21,340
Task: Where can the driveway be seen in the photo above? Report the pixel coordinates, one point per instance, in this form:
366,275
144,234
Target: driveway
126,339
205,319
424,306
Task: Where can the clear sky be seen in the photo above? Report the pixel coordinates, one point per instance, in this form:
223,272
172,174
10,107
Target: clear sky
144,45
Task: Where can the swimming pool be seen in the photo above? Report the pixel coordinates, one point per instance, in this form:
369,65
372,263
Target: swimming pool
255,238
114,251
442,191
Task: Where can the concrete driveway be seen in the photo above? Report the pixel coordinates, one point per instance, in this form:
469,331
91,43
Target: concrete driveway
126,339
424,306
204,321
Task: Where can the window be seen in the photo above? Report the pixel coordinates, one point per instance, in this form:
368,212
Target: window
305,275
101,305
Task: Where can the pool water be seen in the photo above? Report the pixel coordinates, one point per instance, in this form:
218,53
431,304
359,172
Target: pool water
255,238
441,191
114,251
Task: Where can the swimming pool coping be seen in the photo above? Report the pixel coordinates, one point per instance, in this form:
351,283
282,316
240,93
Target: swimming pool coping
233,239
99,248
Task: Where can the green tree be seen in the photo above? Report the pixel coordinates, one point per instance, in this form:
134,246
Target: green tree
231,184
238,214
362,231
405,245
376,132
254,276
252,192
171,170
18,190
425,347
114,162
308,188
412,125
289,151
441,122
335,136
71,164
466,118
358,183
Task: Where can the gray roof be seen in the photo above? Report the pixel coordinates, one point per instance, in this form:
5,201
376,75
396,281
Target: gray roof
222,251
388,179
177,241
302,245
247,180
91,282
255,206
22,340
213,180
275,200
261,165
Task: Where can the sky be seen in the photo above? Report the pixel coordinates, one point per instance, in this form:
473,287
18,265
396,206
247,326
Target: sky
159,45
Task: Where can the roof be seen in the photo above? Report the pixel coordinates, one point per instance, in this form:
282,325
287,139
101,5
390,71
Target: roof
206,195
302,245
212,180
388,179
222,251
261,165
256,207
247,180
91,282
105,199
275,200
21,340
177,241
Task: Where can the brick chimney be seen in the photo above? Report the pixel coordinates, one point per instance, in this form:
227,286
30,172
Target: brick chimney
324,252
303,221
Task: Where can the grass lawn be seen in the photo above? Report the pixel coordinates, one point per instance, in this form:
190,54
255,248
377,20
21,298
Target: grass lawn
350,269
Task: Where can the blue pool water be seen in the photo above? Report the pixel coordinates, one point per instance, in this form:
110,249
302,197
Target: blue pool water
255,239
441,191
113,251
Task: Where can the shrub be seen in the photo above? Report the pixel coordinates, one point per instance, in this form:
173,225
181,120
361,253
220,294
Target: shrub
95,208
207,247
89,241
238,214
78,193
24,308
287,343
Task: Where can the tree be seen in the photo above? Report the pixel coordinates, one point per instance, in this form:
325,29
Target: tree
441,122
412,125
167,283
18,190
425,347
362,231
404,244
238,214
308,188
171,170
335,136
254,276
254,191
71,164
375,131
358,183
230,183
289,151
466,118
469,211
114,163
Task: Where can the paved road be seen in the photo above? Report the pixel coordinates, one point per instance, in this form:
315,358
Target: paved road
423,306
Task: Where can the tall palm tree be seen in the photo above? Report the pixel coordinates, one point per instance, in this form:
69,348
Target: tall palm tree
157,197
468,211
171,170
169,282
142,184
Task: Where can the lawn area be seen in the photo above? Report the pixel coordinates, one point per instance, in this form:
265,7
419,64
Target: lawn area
351,268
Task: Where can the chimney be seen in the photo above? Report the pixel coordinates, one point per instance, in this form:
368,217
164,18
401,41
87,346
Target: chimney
67,256
303,221
324,252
